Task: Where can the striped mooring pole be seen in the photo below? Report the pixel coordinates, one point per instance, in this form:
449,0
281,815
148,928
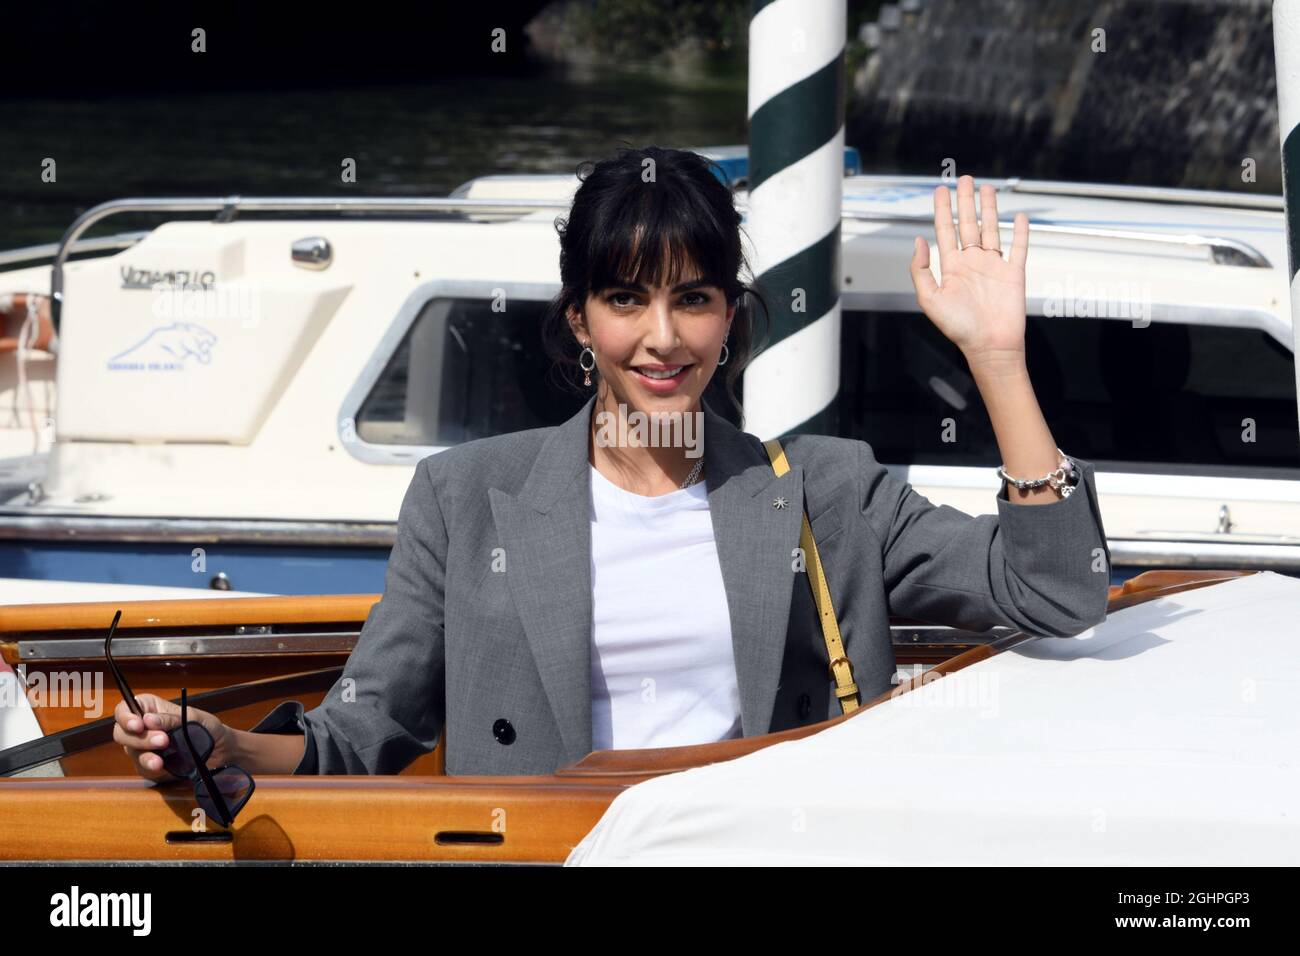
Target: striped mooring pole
796,186
1286,53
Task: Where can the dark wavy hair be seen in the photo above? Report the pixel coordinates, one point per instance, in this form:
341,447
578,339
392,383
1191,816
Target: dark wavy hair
623,229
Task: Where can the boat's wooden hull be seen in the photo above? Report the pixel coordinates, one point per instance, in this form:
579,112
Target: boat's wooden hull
420,815
430,818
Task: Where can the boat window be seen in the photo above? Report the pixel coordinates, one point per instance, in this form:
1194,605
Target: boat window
464,371
1169,395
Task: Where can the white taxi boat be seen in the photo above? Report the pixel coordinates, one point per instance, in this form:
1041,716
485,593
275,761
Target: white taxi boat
238,401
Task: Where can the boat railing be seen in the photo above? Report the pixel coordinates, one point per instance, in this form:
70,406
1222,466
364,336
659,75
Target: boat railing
1224,250
48,250
227,208
1134,193
1161,194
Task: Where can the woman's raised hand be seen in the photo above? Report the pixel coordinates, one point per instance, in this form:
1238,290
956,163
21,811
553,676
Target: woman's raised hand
980,304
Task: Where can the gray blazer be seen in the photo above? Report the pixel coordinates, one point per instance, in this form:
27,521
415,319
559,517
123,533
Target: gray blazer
499,657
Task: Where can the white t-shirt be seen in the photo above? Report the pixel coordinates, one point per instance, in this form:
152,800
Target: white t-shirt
663,673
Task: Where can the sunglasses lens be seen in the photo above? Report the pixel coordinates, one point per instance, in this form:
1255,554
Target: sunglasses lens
235,787
176,755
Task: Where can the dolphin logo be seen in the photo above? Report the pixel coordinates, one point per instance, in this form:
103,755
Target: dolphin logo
172,343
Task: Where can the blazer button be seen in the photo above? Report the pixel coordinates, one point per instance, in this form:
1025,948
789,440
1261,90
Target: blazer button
804,706
503,731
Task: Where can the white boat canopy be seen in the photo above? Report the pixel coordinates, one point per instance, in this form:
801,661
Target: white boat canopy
1168,735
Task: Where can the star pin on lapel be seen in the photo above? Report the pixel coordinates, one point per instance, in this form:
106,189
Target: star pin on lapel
779,504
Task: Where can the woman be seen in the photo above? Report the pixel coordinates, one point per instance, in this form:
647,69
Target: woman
581,587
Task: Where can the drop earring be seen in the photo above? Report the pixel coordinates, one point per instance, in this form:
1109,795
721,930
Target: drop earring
726,352
586,351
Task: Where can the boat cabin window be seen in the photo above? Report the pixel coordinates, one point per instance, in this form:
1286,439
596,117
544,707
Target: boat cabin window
464,371
1168,397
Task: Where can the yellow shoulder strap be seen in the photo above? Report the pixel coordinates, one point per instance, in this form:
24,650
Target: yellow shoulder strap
841,669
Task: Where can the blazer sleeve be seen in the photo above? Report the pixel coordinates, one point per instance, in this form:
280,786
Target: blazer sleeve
389,705
1043,569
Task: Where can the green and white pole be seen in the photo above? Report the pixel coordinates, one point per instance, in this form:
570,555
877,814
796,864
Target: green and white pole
796,187
1286,50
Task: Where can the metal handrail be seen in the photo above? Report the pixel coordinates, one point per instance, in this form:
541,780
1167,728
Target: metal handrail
228,207
1248,254
122,240
1050,187
1159,194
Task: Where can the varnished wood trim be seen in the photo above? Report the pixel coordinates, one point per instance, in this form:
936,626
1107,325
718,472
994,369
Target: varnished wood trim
188,612
539,819
1165,579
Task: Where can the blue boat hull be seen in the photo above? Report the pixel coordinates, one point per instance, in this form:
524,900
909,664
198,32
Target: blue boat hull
269,568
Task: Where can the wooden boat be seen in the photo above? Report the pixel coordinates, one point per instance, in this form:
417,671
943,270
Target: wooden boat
71,794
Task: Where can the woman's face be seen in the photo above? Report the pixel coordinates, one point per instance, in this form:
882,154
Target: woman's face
656,348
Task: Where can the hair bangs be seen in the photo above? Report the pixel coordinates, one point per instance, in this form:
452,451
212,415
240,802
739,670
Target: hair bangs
657,240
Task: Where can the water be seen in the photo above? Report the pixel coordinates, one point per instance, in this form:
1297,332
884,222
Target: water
415,140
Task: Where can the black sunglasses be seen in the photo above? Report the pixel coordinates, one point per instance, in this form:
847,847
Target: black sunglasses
221,793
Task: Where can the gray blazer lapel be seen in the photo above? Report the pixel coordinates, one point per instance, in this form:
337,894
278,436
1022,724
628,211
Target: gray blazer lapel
546,534
755,541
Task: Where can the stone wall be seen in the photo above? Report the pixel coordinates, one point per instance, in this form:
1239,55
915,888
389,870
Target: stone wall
1184,92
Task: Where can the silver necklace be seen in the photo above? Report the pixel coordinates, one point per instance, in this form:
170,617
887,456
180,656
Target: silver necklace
694,473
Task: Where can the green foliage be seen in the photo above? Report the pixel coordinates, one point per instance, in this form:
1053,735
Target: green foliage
638,29
646,28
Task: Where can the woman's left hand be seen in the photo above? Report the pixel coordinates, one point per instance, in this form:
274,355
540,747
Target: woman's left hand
980,304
